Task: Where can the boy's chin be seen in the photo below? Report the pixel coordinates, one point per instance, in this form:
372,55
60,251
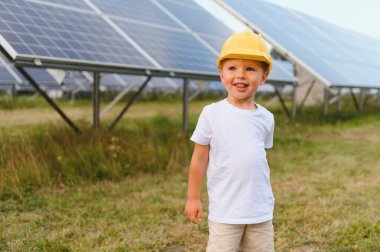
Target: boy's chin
241,97
240,94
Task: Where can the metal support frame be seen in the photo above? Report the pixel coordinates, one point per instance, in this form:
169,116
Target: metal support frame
130,102
48,99
185,105
367,96
354,99
330,98
119,97
326,101
294,103
96,101
282,102
339,101
306,95
361,99
13,92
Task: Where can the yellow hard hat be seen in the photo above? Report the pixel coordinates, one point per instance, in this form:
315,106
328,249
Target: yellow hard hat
245,45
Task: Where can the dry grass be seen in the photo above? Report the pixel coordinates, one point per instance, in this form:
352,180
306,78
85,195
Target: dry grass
26,117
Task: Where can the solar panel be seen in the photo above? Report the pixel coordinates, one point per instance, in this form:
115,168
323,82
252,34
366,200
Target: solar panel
136,10
282,70
34,29
117,82
41,76
75,4
329,50
160,35
6,78
172,49
9,75
215,33
196,18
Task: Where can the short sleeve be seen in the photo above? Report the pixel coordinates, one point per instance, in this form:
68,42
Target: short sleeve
202,132
269,136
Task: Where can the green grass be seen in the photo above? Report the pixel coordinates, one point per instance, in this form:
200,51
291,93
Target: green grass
125,190
55,155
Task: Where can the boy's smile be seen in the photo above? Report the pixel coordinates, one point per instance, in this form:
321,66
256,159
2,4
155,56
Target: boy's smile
241,78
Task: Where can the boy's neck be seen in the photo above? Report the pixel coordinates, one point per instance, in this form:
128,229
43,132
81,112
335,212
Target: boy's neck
247,104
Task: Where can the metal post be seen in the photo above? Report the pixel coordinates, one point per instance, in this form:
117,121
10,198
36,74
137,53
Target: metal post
48,99
326,101
306,95
294,102
282,102
130,102
95,101
13,92
354,99
339,101
367,96
361,105
378,96
185,105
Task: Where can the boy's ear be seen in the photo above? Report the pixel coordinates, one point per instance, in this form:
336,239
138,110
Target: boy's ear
220,73
264,77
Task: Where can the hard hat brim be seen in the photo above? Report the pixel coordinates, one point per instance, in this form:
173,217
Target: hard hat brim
249,55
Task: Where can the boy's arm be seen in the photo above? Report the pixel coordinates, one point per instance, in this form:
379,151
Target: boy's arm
198,166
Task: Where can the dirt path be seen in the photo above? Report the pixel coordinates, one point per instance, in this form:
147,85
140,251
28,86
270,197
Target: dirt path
33,116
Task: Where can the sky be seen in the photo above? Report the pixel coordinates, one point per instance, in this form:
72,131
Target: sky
358,15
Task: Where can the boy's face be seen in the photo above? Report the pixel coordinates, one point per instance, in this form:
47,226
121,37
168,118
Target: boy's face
241,78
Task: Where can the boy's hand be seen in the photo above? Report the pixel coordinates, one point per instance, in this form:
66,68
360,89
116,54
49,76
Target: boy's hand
193,210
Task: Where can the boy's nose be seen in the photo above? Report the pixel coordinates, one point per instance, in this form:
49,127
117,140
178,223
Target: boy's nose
240,74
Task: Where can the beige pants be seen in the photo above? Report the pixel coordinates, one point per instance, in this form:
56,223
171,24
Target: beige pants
240,237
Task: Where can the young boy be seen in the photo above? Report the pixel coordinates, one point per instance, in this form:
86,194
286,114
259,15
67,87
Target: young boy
231,139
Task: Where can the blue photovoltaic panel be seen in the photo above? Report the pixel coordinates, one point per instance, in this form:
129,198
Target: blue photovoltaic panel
281,70
159,35
41,76
5,76
213,31
171,49
362,49
8,73
215,42
314,42
136,10
46,31
196,18
77,4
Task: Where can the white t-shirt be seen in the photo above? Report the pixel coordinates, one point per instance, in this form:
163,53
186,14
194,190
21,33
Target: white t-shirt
238,176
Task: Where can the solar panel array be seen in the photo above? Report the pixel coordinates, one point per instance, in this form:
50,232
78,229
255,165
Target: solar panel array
154,34
340,56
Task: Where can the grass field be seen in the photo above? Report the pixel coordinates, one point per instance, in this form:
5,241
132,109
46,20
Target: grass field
325,174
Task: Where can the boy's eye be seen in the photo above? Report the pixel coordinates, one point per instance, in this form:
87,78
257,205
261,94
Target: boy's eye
250,69
231,68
